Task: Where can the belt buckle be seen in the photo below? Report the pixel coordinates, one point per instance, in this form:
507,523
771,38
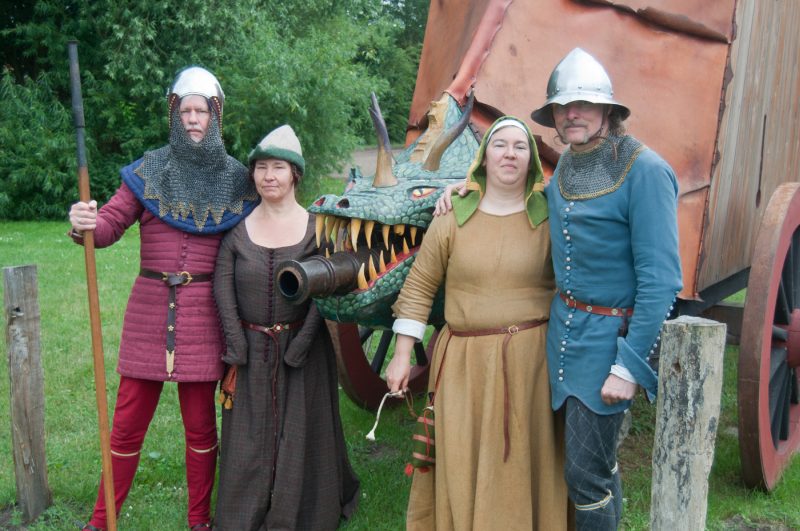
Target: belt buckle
277,327
186,276
513,329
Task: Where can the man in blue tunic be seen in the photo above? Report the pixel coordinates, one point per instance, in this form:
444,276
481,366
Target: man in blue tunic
613,224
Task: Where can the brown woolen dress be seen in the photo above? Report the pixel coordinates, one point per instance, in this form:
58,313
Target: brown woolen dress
283,461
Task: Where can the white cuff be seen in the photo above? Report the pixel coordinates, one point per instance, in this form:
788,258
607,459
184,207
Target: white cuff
409,327
622,372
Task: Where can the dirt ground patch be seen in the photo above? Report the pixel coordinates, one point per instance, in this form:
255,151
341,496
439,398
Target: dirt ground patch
6,517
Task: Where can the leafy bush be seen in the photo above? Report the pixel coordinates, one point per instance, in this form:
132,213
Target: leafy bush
37,160
308,63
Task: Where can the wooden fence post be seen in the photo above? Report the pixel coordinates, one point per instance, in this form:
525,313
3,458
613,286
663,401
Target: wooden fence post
689,395
27,389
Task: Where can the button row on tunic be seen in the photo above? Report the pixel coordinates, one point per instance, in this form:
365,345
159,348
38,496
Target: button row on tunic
658,338
568,269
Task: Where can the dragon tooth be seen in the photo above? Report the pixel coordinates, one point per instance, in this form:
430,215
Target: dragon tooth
381,263
341,232
372,273
320,220
355,229
413,231
385,230
362,281
327,253
400,229
405,247
392,256
368,226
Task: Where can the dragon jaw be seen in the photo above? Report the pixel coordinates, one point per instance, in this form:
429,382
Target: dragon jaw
385,224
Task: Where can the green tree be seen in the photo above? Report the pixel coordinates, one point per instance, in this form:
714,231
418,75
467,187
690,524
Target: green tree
309,63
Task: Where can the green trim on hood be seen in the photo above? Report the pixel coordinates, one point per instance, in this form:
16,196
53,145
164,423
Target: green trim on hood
535,201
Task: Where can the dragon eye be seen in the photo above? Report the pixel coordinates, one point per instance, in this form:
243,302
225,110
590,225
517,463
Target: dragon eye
419,193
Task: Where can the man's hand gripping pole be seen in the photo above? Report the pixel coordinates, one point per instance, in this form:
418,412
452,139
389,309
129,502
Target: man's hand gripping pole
91,283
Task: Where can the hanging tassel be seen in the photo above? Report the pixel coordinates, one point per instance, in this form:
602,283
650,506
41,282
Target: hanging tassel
371,434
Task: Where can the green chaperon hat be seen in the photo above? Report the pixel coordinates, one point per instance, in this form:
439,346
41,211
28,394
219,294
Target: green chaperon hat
280,143
535,202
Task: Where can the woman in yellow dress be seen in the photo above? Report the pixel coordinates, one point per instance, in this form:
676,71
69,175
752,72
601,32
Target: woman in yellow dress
499,446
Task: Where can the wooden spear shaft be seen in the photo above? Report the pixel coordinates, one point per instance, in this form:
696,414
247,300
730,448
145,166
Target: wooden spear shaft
91,283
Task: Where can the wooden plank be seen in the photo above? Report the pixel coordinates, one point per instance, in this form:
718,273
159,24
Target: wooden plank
27,390
759,142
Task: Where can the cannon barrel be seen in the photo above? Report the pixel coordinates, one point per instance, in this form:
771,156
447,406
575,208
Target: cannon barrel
317,276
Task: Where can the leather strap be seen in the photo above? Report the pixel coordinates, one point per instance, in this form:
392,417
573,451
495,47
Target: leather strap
508,331
173,280
593,308
272,331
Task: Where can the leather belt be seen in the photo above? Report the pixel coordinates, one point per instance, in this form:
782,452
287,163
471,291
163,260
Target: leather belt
593,308
173,280
508,331
625,313
274,330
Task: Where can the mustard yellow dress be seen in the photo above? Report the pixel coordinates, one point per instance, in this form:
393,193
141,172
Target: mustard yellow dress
497,272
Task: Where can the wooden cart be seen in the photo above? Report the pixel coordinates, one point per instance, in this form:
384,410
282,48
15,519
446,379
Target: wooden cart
714,88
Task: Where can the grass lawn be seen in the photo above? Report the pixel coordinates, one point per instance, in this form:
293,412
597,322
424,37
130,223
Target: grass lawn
158,497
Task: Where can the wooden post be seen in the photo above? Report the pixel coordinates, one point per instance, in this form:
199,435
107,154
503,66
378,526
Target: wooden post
689,395
21,298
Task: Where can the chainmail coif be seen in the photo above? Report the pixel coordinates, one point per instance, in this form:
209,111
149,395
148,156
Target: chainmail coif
599,171
195,178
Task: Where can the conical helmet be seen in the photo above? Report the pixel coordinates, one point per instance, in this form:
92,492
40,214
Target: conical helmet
578,77
196,81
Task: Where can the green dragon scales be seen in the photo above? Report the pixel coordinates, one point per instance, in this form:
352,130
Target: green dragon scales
382,220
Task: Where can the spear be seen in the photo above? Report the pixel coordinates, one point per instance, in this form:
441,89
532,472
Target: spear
91,284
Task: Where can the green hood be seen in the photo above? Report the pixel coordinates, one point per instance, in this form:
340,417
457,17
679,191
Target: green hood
535,202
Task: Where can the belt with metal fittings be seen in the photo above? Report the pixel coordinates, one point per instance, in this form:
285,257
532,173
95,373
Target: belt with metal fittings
272,331
624,313
508,331
593,308
173,280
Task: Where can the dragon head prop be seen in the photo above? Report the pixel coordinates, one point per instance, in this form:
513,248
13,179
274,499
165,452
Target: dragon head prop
368,237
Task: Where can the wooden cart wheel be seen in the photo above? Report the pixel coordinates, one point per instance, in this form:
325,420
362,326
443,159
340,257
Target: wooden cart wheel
361,378
769,355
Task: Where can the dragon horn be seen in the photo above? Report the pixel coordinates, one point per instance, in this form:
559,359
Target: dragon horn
383,171
447,138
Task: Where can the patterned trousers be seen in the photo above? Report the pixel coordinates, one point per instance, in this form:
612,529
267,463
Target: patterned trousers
591,466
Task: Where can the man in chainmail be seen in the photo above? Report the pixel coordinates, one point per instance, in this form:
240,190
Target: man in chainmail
184,196
613,225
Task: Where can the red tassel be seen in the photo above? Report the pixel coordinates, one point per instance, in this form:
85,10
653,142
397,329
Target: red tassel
410,469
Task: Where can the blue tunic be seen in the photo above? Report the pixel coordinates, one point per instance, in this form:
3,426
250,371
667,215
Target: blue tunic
617,250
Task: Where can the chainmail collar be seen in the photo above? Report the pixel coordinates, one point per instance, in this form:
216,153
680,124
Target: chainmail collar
195,179
599,171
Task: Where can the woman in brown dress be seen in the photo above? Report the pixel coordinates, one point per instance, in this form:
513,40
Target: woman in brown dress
283,462
499,448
